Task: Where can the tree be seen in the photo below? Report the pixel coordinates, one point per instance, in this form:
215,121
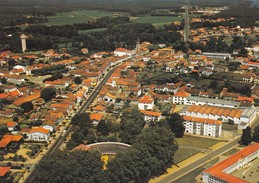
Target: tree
214,84
11,62
27,106
246,90
78,80
246,137
132,123
256,134
3,80
48,93
77,137
71,144
153,149
102,127
82,120
3,129
176,125
75,166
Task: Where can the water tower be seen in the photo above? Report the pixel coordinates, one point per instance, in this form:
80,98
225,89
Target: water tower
23,38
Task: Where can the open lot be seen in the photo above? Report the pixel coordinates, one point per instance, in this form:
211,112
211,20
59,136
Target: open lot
194,141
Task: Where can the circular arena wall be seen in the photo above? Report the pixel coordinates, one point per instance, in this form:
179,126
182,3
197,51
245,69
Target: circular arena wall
105,147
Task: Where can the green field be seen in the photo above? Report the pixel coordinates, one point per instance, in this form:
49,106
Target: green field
69,18
194,141
183,154
156,20
91,30
83,16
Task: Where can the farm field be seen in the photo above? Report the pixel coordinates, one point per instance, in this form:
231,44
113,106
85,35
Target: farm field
69,18
83,16
155,20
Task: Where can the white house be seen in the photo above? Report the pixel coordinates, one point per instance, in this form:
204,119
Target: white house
146,103
181,97
11,125
119,52
151,115
49,127
39,134
96,118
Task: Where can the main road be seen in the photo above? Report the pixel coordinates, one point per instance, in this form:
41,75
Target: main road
69,128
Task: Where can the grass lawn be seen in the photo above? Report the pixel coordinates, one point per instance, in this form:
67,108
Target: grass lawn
229,127
194,141
231,152
183,154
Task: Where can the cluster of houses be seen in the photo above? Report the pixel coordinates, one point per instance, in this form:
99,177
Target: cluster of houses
122,86
25,87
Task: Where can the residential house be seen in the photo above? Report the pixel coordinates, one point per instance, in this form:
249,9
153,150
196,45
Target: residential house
15,79
4,173
119,52
39,134
10,143
180,97
96,118
249,78
151,115
146,103
224,94
11,125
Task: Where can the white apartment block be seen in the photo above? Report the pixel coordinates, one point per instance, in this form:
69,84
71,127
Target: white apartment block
202,126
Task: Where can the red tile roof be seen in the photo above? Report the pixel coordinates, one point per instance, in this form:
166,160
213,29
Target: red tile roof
250,99
11,124
151,113
96,116
40,130
202,120
146,99
23,99
182,94
9,138
4,170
